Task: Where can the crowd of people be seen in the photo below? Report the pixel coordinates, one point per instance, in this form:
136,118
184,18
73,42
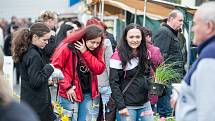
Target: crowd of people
89,67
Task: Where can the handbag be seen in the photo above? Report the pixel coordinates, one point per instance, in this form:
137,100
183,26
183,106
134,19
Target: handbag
110,114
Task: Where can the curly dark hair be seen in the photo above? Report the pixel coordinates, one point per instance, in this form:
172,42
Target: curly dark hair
23,38
125,51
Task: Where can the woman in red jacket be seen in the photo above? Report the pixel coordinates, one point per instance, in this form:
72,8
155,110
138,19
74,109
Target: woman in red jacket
80,57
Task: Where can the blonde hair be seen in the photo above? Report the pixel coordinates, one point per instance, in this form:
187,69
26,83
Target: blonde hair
46,15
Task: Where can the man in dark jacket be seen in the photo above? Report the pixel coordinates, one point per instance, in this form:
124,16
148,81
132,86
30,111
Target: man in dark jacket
166,39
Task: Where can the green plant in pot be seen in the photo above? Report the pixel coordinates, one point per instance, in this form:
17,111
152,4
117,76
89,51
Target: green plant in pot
163,76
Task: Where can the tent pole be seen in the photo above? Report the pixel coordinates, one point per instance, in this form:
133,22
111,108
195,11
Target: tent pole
144,16
94,11
188,45
135,17
102,12
125,17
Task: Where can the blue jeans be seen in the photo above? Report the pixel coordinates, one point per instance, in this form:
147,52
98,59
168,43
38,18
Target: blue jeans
140,114
105,93
163,105
87,110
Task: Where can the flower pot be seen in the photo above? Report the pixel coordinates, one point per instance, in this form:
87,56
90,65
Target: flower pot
156,89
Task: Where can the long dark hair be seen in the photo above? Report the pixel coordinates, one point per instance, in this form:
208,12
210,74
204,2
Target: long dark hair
125,51
23,38
63,31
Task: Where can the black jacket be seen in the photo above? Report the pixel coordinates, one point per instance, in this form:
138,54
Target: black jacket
166,39
49,49
136,94
7,45
34,85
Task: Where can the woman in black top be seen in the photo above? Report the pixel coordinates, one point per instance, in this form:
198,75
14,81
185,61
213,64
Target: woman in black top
26,49
130,63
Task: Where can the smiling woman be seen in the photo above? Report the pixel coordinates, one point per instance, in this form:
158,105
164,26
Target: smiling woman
130,62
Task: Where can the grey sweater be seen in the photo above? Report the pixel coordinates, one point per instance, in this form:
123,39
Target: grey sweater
103,79
196,101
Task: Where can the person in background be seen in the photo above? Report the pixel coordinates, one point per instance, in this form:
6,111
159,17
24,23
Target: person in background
103,79
130,62
50,19
81,59
8,40
7,48
154,52
26,49
195,101
9,109
14,21
65,30
78,23
156,59
107,34
166,39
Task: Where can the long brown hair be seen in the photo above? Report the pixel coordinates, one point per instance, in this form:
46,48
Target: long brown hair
23,39
88,33
94,31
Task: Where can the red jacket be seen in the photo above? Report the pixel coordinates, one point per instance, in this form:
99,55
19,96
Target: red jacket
62,59
154,55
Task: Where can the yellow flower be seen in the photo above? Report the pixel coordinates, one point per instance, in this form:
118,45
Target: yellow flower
65,118
60,110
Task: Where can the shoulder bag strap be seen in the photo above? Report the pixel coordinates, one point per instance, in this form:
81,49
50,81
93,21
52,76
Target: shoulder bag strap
129,83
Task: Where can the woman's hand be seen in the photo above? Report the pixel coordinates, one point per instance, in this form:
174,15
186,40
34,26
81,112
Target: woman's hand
71,94
173,101
124,112
81,46
50,83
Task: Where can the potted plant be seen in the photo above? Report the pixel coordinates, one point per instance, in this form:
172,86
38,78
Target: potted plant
163,76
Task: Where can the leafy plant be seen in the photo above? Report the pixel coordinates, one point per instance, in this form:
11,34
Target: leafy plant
158,118
165,73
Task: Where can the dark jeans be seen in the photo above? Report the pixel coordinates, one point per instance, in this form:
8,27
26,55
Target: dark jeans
163,105
154,108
